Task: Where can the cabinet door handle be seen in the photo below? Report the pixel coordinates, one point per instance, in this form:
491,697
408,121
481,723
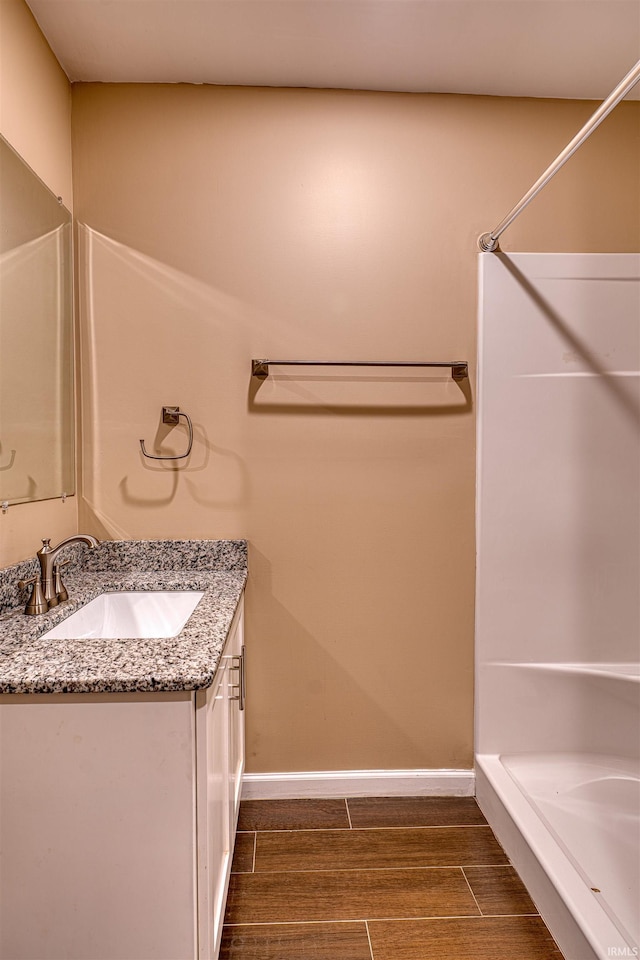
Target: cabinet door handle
241,685
243,680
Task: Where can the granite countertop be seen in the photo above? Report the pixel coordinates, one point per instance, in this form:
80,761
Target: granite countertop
188,661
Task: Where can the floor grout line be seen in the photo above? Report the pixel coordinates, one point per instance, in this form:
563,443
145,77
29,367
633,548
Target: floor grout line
255,847
288,923
346,803
365,868
418,826
439,916
366,926
471,892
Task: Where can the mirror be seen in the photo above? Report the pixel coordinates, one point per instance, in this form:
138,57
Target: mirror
36,337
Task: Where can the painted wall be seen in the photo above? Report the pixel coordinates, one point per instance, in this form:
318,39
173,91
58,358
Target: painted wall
221,224
35,117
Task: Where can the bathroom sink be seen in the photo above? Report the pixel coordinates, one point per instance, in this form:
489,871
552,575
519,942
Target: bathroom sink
159,613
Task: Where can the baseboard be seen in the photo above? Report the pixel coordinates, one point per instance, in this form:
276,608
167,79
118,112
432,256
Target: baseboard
359,783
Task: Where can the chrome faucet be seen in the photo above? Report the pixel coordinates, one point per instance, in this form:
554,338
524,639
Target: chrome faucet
52,587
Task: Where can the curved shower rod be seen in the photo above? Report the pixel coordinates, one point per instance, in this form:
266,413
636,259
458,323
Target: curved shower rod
488,242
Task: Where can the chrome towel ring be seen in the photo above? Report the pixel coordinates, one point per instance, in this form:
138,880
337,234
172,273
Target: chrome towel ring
8,465
171,416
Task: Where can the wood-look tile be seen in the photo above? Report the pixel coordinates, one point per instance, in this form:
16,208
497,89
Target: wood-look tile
348,895
304,941
243,853
368,849
499,891
414,812
293,815
486,938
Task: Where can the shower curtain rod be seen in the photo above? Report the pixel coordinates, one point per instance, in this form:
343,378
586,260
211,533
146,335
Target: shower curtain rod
488,242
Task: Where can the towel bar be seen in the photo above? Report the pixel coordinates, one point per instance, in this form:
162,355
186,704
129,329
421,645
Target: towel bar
260,368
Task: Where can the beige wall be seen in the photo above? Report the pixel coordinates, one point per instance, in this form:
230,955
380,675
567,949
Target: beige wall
35,99
35,117
221,224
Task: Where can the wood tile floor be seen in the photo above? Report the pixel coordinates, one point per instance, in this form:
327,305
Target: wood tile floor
404,878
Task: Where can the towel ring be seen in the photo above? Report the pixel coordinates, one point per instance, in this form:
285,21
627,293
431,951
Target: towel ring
171,416
8,465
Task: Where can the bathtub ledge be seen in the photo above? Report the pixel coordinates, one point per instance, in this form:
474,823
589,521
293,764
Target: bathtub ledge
573,913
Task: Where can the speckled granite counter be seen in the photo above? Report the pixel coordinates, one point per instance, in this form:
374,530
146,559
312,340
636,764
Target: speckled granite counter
185,662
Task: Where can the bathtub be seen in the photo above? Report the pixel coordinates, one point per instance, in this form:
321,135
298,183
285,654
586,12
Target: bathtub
557,599
567,808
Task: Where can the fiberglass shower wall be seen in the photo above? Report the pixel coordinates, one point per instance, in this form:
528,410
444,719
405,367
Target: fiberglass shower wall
558,493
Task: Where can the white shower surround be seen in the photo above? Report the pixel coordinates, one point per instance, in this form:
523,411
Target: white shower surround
558,587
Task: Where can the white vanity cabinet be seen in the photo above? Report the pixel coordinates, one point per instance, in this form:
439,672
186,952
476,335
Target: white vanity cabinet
220,752
117,819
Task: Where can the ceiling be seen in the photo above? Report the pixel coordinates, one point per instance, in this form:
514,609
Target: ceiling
530,48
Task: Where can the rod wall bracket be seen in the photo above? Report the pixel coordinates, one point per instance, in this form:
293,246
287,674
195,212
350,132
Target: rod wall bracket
487,243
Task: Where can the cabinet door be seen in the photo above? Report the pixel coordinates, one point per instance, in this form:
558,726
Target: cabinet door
213,823
220,765
237,688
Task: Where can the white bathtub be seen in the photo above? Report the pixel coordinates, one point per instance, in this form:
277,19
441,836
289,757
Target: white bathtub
557,598
568,817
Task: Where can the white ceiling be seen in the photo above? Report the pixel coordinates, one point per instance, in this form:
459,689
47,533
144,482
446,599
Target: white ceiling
531,48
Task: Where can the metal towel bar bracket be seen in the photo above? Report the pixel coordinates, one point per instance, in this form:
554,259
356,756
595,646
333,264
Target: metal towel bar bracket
260,368
171,416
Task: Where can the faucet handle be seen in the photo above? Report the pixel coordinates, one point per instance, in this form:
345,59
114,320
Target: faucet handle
36,603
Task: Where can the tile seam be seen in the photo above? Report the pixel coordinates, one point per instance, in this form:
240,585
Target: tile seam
436,916
299,830
346,803
439,826
366,926
290,923
461,916
365,869
471,892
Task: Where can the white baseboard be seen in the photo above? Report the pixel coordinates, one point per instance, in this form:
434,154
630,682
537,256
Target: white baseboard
358,783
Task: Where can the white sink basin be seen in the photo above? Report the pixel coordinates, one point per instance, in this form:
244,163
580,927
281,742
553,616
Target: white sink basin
161,613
